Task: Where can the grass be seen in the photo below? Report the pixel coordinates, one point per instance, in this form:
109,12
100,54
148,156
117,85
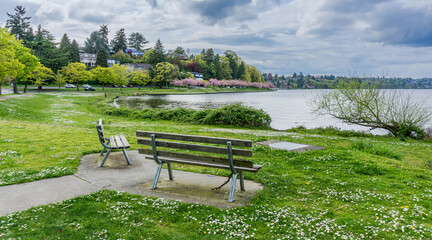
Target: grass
360,187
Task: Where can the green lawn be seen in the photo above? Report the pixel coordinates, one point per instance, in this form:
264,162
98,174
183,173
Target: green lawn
360,187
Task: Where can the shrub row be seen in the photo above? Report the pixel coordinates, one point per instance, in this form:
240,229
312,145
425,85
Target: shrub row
235,114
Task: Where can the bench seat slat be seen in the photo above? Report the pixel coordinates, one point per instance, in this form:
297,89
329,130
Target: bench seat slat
118,141
193,157
112,142
191,138
125,142
195,147
221,166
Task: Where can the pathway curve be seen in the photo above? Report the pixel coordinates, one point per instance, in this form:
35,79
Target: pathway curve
117,175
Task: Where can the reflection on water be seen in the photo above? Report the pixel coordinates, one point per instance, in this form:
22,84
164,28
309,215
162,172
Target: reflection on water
166,102
287,108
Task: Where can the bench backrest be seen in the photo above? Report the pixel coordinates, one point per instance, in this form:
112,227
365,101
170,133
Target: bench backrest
100,131
196,147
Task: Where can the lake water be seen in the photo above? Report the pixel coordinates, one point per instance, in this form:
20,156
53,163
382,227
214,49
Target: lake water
287,108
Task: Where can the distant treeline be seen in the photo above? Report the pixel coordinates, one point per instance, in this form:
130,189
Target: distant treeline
300,81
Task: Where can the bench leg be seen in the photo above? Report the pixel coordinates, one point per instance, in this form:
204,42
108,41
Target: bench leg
126,156
233,186
103,150
105,158
171,178
158,171
242,187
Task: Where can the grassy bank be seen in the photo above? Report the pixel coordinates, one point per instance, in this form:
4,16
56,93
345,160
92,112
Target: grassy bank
145,90
360,187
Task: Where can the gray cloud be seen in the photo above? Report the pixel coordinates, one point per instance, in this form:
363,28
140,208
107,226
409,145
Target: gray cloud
214,11
395,24
91,16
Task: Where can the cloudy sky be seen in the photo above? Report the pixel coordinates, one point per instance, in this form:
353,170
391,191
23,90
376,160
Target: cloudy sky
342,37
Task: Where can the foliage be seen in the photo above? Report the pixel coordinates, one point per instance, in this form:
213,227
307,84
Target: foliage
93,43
102,58
367,105
76,73
235,115
122,57
163,73
158,54
104,75
137,40
19,25
221,83
119,42
46,50
140,78
120,73
40,75
59,79
10,66
74,52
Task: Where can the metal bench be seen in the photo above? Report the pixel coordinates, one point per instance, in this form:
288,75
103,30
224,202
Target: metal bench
111,142
237,166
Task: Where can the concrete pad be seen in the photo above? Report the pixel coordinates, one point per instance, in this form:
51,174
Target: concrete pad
138,179
117,175
289,146
26,195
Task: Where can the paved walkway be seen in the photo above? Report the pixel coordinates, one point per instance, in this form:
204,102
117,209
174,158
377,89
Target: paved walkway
117,175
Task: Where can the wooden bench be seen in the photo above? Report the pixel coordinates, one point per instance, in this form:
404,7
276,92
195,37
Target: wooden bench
237,166
111,142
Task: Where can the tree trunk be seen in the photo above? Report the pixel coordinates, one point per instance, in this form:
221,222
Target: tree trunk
15,88
77,86
0,88
25,87
103,87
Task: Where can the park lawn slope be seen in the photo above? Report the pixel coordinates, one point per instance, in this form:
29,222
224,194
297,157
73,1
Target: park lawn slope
359,187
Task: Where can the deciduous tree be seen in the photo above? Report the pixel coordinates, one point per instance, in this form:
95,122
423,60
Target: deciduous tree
59,79
120,72
75,73
103,75
140,78
10,66
367,105
163,73
40,75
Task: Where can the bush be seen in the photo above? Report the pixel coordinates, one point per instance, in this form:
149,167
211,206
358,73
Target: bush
236,115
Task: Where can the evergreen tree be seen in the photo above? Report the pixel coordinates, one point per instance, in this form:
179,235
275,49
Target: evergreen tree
209,55
102,57
65,47
137,40
74,52
19,25
217,67
179,50
103,33
233,63
94,42
46,50
119,42
158,54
